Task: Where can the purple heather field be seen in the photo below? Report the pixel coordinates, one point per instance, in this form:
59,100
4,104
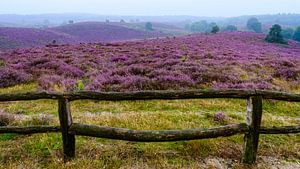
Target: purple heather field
84,32
236,60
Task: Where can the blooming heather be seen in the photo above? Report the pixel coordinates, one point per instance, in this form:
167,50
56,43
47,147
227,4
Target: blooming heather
226,60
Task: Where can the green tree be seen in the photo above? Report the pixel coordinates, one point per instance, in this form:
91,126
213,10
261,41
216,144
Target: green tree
211,26
215,29
231,28
199,26
297,34
70,21
275,36
287,33
149,26
255,25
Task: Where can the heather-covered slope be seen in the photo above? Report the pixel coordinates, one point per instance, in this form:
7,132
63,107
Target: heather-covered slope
225,60
11,38
103,32
85,32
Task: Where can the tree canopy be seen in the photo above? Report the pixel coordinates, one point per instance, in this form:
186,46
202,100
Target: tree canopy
254,25
231,28
199,26
149,26
297,34
275,35
287,33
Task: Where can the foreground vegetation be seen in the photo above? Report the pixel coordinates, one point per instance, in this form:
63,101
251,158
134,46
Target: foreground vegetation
45,150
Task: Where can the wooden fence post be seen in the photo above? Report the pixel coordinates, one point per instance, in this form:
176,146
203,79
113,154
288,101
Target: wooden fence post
65,119
254,115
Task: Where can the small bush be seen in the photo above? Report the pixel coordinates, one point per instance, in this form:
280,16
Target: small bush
215,29
80,85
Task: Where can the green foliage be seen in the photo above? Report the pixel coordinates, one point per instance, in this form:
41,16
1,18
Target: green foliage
215,29
275,36
231,28
8,136
199,26
297,34
80,85
287,33
254,25
211,26
149,26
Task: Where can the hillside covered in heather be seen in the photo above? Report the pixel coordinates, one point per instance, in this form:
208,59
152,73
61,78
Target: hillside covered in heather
85,32
226,60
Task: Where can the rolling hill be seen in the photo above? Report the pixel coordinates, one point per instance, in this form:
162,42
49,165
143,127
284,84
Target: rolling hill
85,32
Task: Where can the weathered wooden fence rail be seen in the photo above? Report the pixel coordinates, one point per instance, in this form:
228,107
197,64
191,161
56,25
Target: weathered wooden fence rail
252,128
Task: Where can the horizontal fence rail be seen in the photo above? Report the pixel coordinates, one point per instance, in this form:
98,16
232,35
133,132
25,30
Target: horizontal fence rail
152,95
252,128
29,129
157,135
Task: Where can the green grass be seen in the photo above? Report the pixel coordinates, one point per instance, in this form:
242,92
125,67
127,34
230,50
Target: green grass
44,150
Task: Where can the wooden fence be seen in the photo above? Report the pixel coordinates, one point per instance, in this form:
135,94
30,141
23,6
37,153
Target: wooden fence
252,128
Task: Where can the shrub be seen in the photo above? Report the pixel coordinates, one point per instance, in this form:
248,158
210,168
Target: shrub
215,29
211,26
80,85
275,36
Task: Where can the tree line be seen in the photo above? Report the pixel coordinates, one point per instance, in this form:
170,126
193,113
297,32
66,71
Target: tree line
276,34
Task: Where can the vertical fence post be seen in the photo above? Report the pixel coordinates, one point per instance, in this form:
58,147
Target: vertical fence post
254,115
65,119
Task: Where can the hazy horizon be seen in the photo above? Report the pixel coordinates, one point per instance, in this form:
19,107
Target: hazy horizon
209,8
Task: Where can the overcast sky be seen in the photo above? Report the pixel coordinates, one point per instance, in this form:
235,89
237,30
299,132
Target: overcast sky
151,7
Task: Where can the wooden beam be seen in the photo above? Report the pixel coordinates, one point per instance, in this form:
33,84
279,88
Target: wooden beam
29,129
151,95
29,96
160,95
65,119
275,95
280,130
156,136
254,115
